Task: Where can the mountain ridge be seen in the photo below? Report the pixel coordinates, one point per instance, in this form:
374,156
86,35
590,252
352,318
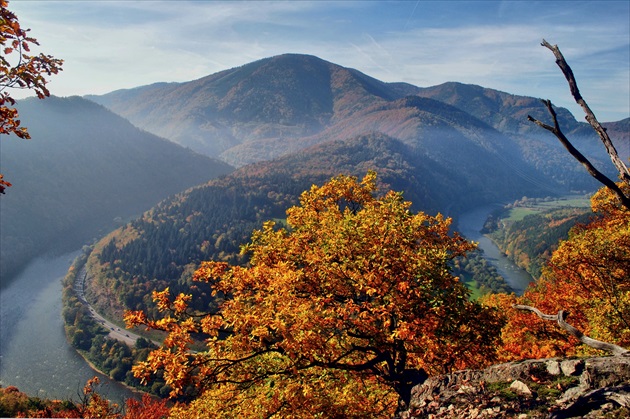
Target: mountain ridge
281,104
84,167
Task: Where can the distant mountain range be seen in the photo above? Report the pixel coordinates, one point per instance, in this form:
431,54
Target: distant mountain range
84,171
283,104
448,147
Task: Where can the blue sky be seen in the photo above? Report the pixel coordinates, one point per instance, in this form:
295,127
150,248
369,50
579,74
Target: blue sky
109,45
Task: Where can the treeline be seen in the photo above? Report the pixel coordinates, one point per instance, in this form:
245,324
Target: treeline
89,338
529,242
14,404
485,277
165,246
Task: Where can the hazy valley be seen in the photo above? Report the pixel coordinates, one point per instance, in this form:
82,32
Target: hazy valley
156,179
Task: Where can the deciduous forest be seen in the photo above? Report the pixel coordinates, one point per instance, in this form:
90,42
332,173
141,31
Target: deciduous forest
323,277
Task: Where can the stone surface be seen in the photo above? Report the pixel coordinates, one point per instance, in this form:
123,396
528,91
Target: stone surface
572,366
520,387
553,367
559,388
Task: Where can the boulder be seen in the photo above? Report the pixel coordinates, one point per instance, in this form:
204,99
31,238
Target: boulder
545,388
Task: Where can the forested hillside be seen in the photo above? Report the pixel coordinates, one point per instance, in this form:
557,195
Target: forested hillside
84,171
530,241
210,222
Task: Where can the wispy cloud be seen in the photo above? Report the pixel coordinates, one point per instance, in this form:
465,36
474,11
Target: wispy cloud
121,44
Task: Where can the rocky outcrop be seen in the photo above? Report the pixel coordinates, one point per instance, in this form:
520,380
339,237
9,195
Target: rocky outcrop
545,388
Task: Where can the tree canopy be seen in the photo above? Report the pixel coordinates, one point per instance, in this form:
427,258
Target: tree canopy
345,309
587,276
19,70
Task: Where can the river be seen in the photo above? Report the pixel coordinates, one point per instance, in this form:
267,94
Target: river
470,225
34,354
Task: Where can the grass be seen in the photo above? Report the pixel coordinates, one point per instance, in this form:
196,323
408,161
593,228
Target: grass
517,214
572,201
475,292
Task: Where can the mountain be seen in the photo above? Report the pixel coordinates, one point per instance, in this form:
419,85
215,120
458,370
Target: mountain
508,113
619,133
211,221
503,111
282,98
294,120
84,170
279,105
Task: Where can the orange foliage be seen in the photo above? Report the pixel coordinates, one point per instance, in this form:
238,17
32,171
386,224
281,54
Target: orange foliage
344,310
588,276
96,406
147,408
25,72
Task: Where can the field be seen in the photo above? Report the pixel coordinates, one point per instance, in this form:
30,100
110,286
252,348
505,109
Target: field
533,206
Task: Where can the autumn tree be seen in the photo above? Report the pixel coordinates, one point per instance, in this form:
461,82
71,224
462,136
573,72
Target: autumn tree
19,70
95,405
587,277
146,408
340,313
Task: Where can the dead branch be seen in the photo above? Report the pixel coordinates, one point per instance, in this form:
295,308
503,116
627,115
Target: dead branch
555,129
560,318
624,173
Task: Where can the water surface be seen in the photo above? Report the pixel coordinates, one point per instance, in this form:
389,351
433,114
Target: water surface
470,225
34,353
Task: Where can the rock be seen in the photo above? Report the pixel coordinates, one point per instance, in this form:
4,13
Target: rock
571,394
553,367
572,367
521,387
550,388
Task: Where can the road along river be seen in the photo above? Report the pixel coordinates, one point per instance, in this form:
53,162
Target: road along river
34,353
115,332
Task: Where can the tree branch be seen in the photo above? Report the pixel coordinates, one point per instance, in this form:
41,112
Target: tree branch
555,130
593,343
624,173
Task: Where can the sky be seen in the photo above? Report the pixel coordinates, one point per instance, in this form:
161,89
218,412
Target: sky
111,45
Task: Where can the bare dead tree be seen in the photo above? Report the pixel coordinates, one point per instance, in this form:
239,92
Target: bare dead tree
560,318
624,173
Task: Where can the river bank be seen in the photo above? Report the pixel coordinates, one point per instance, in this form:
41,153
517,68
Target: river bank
470,225
34,353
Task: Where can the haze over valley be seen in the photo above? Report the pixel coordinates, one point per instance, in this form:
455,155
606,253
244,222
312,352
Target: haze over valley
457,146
134,189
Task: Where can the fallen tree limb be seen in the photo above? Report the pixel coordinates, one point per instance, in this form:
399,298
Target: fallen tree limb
560,318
